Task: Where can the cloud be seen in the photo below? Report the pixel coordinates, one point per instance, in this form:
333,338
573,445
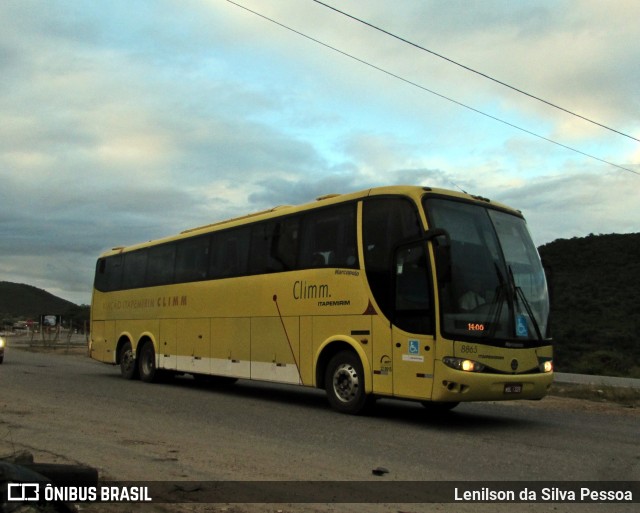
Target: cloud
575,205
129,122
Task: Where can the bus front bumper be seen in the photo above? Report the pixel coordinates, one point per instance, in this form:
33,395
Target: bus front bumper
457,385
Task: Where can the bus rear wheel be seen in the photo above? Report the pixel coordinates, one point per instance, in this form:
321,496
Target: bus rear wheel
147,363
127,360
344,384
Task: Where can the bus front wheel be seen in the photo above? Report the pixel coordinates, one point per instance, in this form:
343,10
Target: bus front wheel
147,363
127,360
344,383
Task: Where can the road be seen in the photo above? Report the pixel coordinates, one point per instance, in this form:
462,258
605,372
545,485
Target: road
66,407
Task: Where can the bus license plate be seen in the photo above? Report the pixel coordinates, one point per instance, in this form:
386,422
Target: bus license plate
513,388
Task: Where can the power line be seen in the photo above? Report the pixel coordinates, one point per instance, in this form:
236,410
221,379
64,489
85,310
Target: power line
415,45
419,86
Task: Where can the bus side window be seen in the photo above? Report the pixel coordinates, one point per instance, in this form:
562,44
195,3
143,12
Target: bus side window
160,265
260,257
386,222
412,290
284,245
100,281
329,238
109,273
230,253
192,259
135,265
114,272
274,246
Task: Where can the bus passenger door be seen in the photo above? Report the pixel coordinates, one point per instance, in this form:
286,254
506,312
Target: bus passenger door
412,365
412,324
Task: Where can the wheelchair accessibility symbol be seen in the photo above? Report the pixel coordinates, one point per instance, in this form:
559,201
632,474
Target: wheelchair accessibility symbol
522,330
414,347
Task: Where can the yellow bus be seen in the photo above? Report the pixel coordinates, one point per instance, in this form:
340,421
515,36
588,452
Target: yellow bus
408,292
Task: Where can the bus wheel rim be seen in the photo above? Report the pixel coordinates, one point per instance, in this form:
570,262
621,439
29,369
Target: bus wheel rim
346,383
128,359
148,365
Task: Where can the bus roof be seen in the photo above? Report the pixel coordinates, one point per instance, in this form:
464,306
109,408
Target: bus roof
414,191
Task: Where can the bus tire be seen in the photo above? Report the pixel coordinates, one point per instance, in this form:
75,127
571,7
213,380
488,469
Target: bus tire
127,359
147,363
344,384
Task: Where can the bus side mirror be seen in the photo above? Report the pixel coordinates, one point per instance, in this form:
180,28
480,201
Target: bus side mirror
442,252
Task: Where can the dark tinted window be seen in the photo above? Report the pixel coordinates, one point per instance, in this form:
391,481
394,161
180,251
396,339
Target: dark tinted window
323,238
160,264
109,273
230,253
386,222
261,260
284,243
274,246
135,264
329,238
192,259
413,310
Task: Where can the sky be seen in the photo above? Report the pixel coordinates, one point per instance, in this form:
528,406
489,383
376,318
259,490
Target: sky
126,121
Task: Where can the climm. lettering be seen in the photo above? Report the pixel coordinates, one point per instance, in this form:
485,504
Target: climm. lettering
304,290
166,301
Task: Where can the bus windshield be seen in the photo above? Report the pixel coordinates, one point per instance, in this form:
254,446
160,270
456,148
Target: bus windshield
496,290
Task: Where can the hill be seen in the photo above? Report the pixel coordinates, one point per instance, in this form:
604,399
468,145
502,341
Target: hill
22,302
595,303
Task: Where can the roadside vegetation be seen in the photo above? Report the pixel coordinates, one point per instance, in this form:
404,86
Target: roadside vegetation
595,304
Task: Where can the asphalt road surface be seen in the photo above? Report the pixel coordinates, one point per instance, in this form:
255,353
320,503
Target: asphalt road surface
68,408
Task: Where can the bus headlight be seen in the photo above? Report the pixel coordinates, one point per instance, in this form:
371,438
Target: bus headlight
462,364
1,342
545,364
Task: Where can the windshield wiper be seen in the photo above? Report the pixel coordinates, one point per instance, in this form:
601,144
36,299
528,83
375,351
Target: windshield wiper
519,293
501,295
